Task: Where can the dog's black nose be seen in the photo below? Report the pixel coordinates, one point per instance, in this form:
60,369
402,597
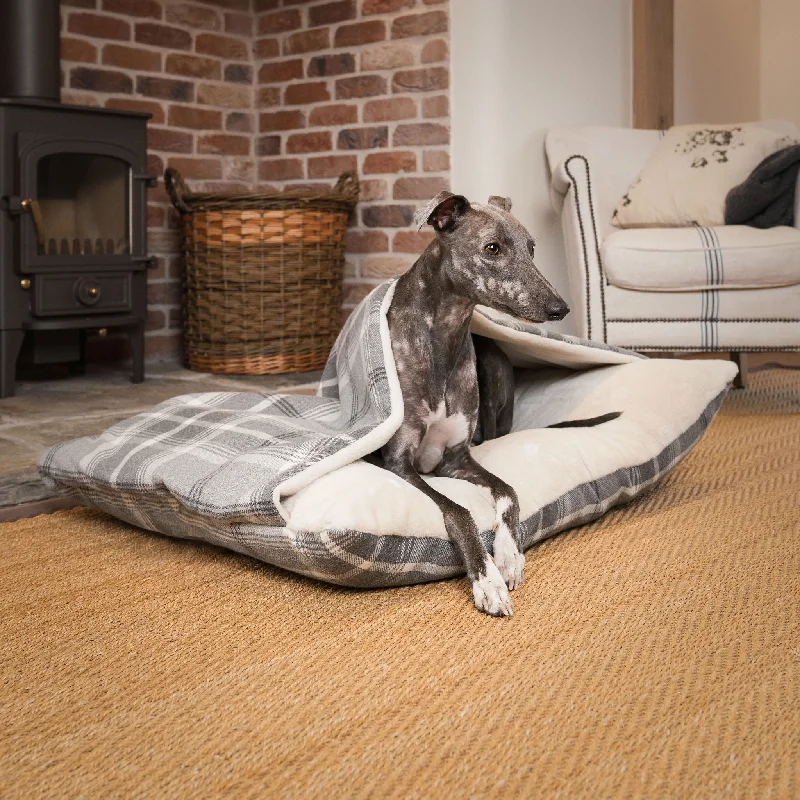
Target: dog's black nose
556,309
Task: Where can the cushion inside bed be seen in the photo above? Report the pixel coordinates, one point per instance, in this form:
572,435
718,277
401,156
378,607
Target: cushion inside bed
660,399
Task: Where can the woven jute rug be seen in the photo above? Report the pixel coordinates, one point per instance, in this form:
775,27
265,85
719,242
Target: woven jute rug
655,653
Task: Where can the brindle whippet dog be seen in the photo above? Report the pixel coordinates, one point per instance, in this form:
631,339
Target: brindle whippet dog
481,254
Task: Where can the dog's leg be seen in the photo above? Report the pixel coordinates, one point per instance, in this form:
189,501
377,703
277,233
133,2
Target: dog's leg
505,419
459,463
487,419
488,587
477,436
495,377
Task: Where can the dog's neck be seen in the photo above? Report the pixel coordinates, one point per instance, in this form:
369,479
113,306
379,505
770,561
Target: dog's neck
428,297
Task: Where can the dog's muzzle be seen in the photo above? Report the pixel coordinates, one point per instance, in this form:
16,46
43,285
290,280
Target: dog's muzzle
556,310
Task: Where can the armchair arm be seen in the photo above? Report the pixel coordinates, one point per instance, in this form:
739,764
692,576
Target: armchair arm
560,183
572,181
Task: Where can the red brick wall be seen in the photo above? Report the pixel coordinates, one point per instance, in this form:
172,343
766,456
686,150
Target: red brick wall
189,64
273,93
357,84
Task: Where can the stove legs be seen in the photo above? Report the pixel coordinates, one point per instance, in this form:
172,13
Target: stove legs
10,343
79,367
136,338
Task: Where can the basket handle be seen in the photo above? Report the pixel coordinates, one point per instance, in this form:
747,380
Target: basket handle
347,184
176,189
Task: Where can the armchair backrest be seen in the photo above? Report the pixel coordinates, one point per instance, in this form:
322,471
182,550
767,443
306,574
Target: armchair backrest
615,156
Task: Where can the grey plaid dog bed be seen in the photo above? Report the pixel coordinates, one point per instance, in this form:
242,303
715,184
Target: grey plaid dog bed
280,478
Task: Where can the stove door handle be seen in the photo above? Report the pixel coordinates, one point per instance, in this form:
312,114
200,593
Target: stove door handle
12,204
147,261
16,205
150,181
32,207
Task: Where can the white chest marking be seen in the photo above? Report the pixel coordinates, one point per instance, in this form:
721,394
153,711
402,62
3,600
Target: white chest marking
441,432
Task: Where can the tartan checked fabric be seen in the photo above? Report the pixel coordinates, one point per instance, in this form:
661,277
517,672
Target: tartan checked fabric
223,454
214,466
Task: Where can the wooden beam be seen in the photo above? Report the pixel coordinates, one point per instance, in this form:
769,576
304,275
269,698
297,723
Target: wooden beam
653,83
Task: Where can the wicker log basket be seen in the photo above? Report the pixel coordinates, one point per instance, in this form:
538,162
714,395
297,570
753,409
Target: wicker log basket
263,276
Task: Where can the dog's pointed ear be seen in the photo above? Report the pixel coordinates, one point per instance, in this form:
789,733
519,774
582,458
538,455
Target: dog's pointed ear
500,202
442,212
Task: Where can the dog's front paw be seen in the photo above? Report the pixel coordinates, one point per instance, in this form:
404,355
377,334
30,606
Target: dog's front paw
491,593
508,558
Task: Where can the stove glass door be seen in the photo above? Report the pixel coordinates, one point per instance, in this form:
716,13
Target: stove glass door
83,205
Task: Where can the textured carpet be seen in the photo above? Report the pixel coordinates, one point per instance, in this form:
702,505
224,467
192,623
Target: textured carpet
655,653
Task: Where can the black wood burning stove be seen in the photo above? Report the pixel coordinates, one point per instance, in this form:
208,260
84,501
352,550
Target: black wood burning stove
73,224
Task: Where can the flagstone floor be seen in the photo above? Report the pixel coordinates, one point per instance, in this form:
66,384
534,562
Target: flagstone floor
49,409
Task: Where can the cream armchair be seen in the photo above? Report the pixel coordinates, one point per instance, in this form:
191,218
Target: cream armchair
730,288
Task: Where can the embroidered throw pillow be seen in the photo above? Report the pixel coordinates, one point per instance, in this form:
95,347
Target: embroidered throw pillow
689,174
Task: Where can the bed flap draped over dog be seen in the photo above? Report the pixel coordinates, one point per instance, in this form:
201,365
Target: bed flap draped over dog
232,467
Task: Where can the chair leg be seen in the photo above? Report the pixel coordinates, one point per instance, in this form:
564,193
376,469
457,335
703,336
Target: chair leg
740,381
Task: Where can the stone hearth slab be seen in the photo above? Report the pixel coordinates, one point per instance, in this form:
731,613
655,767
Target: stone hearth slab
44,412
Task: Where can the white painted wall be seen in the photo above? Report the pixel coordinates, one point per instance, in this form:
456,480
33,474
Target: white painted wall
736,60
518,68
780,60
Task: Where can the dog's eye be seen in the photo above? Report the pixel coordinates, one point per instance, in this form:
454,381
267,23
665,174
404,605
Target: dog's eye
491,249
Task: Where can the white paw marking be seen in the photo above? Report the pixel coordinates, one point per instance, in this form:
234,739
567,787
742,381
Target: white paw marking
441,432
510,562
491,593
502,505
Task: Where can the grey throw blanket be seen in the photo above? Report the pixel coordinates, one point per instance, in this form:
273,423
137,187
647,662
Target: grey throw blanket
766,198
